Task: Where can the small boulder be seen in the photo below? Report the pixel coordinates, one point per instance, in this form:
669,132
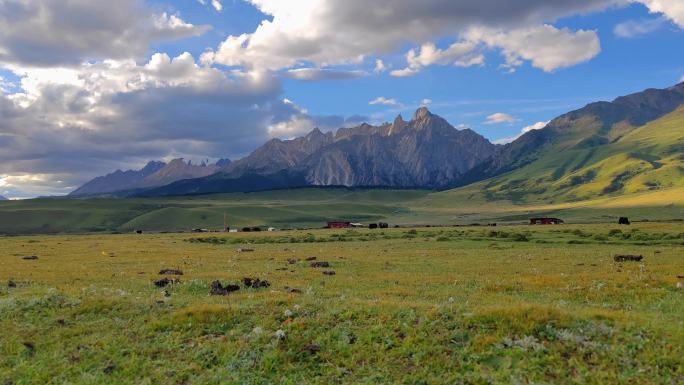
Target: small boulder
243,250
292,261
329,272
30,258
11,284
310,259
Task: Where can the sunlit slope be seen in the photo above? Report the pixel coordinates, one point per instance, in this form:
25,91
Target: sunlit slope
622,161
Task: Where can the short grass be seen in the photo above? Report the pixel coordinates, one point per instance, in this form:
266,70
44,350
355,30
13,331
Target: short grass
469,305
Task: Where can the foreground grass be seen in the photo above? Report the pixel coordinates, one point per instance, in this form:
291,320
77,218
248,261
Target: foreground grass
427,306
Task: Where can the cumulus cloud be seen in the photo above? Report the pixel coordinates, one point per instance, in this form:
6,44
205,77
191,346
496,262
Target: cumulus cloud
76,123
316,74
672,9
383,101
329,32
634,28
425,102
501,117
59,32
546,47
523,131
460,54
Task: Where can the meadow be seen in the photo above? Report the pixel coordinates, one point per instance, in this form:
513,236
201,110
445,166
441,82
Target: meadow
439,305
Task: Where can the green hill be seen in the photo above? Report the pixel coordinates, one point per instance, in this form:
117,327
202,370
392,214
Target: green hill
586,167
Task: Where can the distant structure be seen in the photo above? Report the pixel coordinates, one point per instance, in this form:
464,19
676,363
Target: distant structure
546,221
339,225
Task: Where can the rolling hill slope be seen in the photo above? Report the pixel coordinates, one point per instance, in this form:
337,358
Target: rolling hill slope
638,160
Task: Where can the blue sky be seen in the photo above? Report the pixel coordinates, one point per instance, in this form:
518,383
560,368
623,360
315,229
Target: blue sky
102,85
466,96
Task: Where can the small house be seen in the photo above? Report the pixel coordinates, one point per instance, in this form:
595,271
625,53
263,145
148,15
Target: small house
339,225
546,221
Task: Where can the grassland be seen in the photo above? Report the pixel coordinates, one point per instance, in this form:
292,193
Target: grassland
306,208
468,305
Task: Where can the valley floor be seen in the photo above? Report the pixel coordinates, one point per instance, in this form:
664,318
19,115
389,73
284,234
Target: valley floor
313,207
472,305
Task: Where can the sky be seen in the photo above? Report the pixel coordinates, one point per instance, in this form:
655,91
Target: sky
91,86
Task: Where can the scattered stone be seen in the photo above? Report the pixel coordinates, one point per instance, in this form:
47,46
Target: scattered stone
329,272
109,369
311,259
292,261
245,250
11,284
165,282
680,285
255,283
30,346
680,276
312,348
218,289
319,264
292,290
30,258
628,258
170,272
61,321
282,269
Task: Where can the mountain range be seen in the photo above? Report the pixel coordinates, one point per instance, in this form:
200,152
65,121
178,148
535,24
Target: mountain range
154,174
596,150
2,198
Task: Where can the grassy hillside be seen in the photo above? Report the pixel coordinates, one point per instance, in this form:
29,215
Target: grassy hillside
582,165
283,208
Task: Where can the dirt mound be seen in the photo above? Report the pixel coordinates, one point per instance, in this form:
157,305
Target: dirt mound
166,282
628,258
170,272
319,264
255,283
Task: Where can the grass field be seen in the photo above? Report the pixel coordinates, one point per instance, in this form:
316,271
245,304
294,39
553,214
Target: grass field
312,207
453,305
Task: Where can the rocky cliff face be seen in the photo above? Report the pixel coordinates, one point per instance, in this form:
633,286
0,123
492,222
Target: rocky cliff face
424,152
277,155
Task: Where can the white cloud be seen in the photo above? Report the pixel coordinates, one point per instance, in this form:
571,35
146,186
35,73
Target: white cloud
59,32
217,5
546,47
384,101
460,54
523,131
500,117
70,124
379,66
330,32
315,74
672,9
635,28
425,102
404,73
681,79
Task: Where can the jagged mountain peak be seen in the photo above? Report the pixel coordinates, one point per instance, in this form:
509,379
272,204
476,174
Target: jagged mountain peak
422,113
